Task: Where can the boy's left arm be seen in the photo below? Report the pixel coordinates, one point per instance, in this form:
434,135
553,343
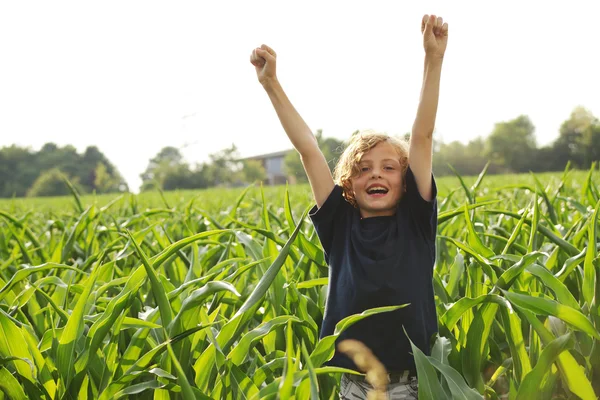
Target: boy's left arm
435,38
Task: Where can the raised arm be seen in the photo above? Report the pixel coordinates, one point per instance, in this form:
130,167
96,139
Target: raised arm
321,181
435,38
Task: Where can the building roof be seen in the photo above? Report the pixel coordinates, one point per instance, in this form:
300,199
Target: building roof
267,155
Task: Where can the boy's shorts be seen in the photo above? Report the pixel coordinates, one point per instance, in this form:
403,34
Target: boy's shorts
401,387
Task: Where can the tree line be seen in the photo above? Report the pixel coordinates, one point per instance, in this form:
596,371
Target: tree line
24,172
511,147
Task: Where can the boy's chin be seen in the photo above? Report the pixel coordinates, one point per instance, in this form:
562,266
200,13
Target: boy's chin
376,207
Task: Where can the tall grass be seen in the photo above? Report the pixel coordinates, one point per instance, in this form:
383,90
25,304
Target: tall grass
220,294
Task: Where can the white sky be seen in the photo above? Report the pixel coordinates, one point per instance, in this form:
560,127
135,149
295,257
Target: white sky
134,76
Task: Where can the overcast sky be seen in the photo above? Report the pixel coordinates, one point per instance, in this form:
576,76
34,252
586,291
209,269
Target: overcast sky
134,76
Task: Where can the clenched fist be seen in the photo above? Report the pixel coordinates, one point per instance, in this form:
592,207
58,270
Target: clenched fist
264,60
435,35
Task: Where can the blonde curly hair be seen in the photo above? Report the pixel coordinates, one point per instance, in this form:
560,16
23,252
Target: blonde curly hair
359,144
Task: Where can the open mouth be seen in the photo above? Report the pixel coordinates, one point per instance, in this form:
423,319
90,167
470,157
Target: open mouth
377,191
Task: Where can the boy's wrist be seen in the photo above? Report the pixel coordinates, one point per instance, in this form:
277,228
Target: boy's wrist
434,60
270,84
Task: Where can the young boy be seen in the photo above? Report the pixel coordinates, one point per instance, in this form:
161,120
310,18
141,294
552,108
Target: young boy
377,224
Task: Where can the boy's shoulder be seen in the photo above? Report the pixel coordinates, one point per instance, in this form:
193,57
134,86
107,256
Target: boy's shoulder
335,203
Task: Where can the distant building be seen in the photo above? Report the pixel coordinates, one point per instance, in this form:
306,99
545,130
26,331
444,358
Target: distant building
273,165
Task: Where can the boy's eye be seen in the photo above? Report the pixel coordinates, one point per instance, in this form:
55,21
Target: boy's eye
389,167
363,169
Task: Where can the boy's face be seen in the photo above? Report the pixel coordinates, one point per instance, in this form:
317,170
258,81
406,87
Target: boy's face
379,168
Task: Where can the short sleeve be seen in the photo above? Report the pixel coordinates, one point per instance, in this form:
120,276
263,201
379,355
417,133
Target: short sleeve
327,217
423,212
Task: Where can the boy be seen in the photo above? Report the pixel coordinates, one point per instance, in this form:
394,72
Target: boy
377,224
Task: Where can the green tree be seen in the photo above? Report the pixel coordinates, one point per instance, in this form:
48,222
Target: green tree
18,170
331,148
225,168
167,159
177,176
112,181
466,159
579,139
253,171
105,182
51,183
512,144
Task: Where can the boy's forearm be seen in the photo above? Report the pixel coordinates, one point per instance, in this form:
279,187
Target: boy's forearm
297,130
428,103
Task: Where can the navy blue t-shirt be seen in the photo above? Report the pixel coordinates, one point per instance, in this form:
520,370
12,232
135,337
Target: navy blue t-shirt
380,261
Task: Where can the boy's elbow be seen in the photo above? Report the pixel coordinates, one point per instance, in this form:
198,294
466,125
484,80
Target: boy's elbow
309,150
426,134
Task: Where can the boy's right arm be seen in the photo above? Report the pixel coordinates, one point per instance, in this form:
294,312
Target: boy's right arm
303,140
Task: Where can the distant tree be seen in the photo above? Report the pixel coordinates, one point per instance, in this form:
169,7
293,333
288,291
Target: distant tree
168,171
253,171
167,157
177,177
512,144
200,176
579,139
51,183
466,159
331,148
224,168
292,166
112,181
168,160
105,182
18,170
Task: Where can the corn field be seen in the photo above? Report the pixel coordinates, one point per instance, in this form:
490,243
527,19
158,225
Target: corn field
220,295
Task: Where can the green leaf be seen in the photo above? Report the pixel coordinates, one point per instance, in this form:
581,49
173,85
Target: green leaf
573,374
463,184
73,330
563,295
530,386
563,244
312,283
533,237
474,239
549,205
230,330
325,348
451,317
515,234
477,336
441,349
195,299
13,344
312,376
139,388
158,290
429,384
456,273
187,392
482,261
11,386
286,384
550,307
516,342
507,278
456,383
241,385
447,215
241,350
589,270
27,271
